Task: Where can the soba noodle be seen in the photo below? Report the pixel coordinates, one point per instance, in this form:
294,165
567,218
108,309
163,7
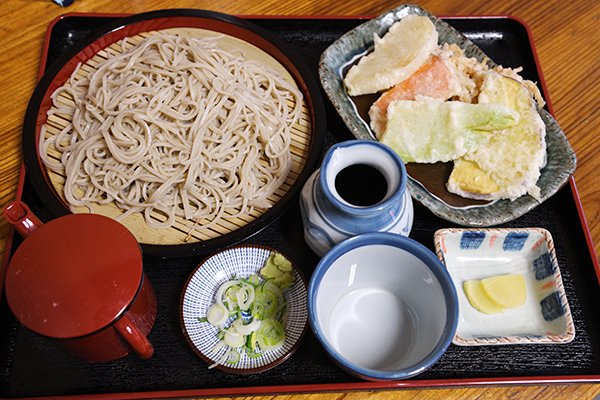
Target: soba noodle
174,126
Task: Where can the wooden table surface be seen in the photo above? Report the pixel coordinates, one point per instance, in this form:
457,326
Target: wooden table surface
565,33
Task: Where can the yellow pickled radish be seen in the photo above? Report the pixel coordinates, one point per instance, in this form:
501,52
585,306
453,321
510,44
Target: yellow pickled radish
479,299
506,290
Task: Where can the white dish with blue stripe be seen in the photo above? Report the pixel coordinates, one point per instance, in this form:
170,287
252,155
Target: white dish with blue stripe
199,294
480,253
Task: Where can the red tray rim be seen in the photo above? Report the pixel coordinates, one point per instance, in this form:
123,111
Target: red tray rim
342,386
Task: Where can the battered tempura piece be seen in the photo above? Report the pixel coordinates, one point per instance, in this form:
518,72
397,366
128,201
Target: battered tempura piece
508,166
396,56
428,130
434,79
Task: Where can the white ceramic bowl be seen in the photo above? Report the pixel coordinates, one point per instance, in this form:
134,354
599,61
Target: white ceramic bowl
383,306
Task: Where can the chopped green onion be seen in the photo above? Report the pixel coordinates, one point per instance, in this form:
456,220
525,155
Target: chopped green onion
234,357
217,314
250,315
271,335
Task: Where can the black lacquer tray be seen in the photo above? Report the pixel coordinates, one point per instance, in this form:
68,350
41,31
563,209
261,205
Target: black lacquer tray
32,366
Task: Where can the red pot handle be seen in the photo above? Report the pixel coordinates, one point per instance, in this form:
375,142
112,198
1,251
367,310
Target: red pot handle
20,216
130,332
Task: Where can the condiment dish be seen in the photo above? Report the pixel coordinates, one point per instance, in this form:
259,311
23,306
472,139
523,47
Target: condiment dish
544,317
199,293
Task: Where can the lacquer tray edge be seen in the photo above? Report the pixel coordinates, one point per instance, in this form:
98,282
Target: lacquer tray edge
340,386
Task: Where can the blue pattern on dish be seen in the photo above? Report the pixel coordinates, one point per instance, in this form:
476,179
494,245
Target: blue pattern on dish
515,241
471,240
543,267
544,318
552,307
199,295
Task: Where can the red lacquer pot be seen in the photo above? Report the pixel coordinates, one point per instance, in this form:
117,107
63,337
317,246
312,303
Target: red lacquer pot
78,279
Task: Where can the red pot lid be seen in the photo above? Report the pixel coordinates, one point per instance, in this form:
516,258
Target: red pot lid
74,275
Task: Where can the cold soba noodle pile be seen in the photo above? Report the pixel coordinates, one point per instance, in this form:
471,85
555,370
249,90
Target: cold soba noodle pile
174,126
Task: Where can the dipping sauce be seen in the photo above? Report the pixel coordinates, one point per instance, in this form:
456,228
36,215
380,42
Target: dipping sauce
361,185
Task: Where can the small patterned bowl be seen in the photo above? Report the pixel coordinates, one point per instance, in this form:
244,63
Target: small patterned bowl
479,253
199,294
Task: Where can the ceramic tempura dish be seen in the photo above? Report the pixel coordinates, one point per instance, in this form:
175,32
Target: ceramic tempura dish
426,182
545,317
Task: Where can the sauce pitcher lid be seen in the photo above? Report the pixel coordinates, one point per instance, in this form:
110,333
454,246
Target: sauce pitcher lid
74,275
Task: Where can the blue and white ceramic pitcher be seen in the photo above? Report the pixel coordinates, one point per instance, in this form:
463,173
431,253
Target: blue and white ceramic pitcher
360,188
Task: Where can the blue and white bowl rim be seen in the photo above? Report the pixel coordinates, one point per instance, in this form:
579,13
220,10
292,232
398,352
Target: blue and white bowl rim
397,197
424,254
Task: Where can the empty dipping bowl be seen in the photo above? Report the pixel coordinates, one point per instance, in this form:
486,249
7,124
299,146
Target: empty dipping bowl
383,306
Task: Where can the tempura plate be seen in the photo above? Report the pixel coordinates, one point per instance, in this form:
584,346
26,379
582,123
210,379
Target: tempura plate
427,181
